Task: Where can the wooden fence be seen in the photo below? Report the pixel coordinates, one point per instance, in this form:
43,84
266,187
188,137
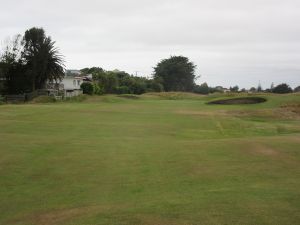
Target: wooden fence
15,98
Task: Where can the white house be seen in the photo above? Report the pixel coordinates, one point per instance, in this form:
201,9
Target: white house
70,84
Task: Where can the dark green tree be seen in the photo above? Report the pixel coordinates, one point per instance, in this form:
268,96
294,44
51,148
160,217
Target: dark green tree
259,88
87,88
176,73
282,89
43,60
12,68
234,89
92,70
297,89
202,89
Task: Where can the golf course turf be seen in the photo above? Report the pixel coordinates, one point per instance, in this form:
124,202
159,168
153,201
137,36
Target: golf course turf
154,159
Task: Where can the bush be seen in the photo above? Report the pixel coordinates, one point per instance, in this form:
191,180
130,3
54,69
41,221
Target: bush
43,99
97,89
87,88
138,88
155,87
122,90
282,89
202,89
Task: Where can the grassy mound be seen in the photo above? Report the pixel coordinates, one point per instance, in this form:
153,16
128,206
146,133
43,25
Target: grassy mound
239,101
173,95
43,99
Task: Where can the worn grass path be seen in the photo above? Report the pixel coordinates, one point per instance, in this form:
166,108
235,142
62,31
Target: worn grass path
159,159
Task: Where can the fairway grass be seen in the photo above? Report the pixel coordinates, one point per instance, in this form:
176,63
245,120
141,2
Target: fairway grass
155,159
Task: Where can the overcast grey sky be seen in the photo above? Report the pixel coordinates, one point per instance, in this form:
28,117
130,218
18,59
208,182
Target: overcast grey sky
231,41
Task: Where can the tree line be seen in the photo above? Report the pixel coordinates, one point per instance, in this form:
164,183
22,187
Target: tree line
28,62
118,82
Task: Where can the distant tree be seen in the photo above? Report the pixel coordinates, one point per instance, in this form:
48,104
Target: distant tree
259,88
282,89
234,89
216,89
107,80
176,73
252,89
202,89
92,70
297,89
136,85
12,68
43,60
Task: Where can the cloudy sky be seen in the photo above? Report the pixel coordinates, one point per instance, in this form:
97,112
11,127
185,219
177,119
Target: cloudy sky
231,41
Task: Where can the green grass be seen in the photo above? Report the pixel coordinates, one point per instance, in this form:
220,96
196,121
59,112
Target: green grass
157,159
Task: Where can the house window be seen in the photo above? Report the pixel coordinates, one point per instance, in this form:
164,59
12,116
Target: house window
78,82
74,82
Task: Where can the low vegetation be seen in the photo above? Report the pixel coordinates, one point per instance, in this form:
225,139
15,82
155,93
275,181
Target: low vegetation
43,99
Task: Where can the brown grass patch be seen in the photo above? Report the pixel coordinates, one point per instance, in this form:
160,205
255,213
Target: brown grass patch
61,216
156,220
203,113
278,113
264,150
291,108
260,149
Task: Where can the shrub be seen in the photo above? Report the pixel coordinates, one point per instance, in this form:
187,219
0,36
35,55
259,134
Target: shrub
87,88
97,89
156,87
43,99
122,90
202,89
138,88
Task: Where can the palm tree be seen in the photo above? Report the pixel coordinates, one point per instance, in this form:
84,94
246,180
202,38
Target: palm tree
43,60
